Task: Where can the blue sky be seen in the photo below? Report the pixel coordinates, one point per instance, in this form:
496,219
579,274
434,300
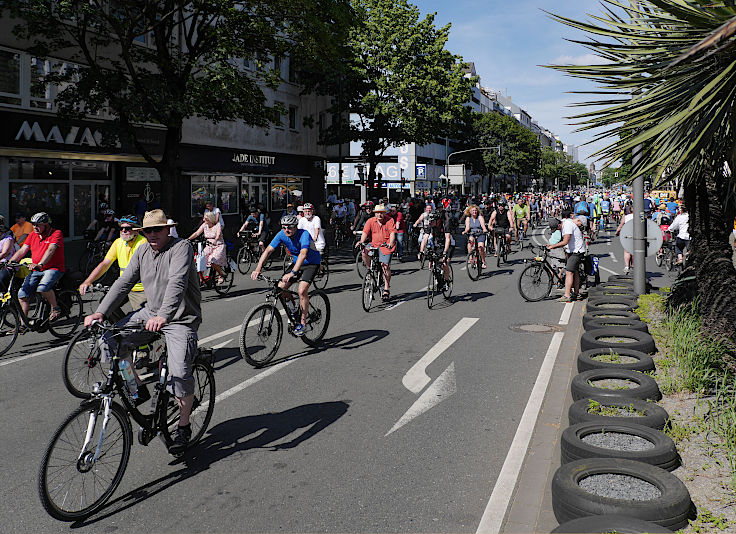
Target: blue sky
508,40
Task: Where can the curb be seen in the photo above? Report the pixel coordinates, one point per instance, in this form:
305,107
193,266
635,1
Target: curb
531,505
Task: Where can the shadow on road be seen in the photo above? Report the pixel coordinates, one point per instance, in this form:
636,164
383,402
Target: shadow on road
471,297
344,287
264,431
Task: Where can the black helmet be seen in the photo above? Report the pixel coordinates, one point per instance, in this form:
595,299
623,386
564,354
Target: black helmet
40,217
435,216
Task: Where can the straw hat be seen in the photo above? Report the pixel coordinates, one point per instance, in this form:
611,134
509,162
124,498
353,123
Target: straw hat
379,208
155,218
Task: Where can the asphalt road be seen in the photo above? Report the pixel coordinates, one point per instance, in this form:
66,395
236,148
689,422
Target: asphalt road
328,440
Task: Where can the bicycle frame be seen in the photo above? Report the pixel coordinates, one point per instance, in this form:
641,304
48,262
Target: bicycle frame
11,298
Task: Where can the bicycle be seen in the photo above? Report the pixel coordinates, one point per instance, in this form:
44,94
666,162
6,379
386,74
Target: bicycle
82,365
210,279
535,281
322,275
475,264
88,453
437,281
373,279
263,323
666,254
248,253
12,317
502,254
93,255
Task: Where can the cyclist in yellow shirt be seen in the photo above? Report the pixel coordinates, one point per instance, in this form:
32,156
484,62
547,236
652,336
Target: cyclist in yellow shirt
121,251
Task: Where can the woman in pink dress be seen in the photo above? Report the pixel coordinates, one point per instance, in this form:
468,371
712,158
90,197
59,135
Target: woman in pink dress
215,250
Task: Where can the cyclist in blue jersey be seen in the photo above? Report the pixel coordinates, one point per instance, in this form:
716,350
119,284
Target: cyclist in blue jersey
302,248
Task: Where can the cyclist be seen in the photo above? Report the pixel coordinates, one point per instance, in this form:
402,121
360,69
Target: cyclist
109,227
165,267
382,232
400,223
572,240
211,208
215,250
423,221
362,217
339,212
502,222
47,263
306,262
439,231
22,228
8,247
605,208
628,257
312,223
521,214
474,223
681,225
122,250
534,209
255,223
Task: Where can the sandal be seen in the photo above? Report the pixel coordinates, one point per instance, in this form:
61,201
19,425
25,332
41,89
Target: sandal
55,313
385,296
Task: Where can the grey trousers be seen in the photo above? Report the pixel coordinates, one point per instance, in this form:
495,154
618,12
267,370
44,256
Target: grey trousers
181,344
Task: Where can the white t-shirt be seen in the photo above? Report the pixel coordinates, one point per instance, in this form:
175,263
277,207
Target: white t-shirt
311,227
576,244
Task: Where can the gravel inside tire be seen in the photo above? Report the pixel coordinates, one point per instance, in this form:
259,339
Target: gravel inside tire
618,440
605,292
600,524
571,500
609,304
618,358
616,338
617,410
614,322
590,384
608,314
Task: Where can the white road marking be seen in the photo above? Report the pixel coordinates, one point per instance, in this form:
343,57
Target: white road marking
607,270
416,378
404,300
252,380
613,257
498,504
566,312
441,389
220,345
229,331
27,356
464,268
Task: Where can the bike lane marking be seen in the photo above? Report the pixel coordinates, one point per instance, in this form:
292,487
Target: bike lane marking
566,312
27,356
498,504
416,378
230,331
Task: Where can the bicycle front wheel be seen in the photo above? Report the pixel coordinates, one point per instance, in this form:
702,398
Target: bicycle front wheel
535,283
82,365
360,267
658,258
431,288
227,280
369,288
203,405
9,327
260,335
447,288
67,323
320,279
244,260
318,318
73,485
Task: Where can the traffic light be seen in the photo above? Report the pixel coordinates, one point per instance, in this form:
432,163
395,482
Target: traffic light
444,182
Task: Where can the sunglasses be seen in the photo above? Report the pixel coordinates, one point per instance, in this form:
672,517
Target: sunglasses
288,227
126,228
153,229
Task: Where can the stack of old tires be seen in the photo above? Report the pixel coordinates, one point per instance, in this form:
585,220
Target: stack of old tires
616,462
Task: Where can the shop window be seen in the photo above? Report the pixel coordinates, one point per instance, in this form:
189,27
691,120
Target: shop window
285,191
90,170
38,169
53,198
10,78
220,190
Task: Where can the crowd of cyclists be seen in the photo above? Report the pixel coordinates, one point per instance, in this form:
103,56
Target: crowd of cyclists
157,270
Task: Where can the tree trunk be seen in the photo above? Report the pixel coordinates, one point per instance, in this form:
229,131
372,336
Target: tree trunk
712,207
172,201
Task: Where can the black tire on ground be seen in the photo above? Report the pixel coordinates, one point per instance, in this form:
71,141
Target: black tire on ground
587,361
646,387
629,339
618,322
605,292
618,284
598,524
570,501
621,278
663,454
610,303
654,415
608,314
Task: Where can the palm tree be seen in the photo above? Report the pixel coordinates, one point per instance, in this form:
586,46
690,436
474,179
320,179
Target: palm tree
668,88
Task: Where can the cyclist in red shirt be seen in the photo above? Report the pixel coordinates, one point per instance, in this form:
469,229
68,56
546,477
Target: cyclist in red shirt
381,229
47,263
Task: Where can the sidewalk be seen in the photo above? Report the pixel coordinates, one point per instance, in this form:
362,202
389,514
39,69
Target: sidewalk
531,506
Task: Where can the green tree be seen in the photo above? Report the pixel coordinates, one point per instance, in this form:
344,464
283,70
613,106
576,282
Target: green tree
398,81
191,65
670,73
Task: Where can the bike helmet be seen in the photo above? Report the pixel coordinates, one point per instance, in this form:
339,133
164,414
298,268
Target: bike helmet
308,206
109,212
289,220
41,217
130,219
503,204
434,216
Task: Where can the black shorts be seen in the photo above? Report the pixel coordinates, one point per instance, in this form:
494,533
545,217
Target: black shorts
307,273
573,262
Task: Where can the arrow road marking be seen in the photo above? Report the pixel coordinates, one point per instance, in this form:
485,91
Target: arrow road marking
416,378
441,389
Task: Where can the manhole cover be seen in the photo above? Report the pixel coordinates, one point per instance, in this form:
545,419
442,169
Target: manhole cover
534,328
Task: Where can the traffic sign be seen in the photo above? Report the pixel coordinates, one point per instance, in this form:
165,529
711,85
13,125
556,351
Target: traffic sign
654,237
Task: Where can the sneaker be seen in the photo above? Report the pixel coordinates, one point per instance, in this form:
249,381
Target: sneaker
181,437
299,330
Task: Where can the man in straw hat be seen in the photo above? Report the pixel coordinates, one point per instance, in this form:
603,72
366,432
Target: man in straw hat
382,232
164,265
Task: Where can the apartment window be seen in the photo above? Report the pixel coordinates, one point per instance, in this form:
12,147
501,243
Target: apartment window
321,121
279,123
293,118
10,78
41,92
292,70
278,62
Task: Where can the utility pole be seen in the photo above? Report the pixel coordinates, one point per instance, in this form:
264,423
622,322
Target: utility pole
640,229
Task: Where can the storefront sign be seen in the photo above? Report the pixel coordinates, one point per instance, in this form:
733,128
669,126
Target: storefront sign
73,135
141,174
254,159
